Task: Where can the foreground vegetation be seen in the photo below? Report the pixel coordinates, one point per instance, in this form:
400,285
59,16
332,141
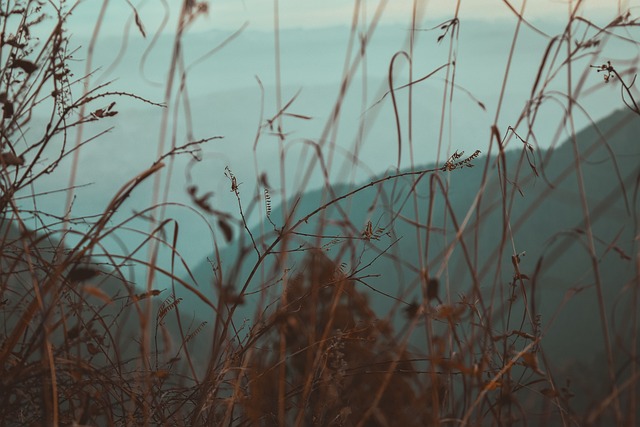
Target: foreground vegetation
462,336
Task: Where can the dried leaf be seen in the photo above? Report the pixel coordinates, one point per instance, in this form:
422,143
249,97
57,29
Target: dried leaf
530,360
101,113
550,393
263,181
231,297
226,230
98,293
151,293
73,332
92,349
7,110
139,23
449,312
28,66
412,310
10,159
203,201
432,289
298,116
80,274
161,373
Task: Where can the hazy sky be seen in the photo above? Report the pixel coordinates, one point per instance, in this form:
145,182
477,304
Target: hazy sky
229,14
295,13
225,96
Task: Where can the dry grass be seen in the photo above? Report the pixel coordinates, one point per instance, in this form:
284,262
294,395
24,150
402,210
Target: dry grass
82,345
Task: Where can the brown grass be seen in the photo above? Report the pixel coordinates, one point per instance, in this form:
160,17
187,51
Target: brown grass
82,345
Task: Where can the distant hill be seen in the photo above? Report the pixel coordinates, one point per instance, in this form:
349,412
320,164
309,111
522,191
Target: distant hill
471,242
